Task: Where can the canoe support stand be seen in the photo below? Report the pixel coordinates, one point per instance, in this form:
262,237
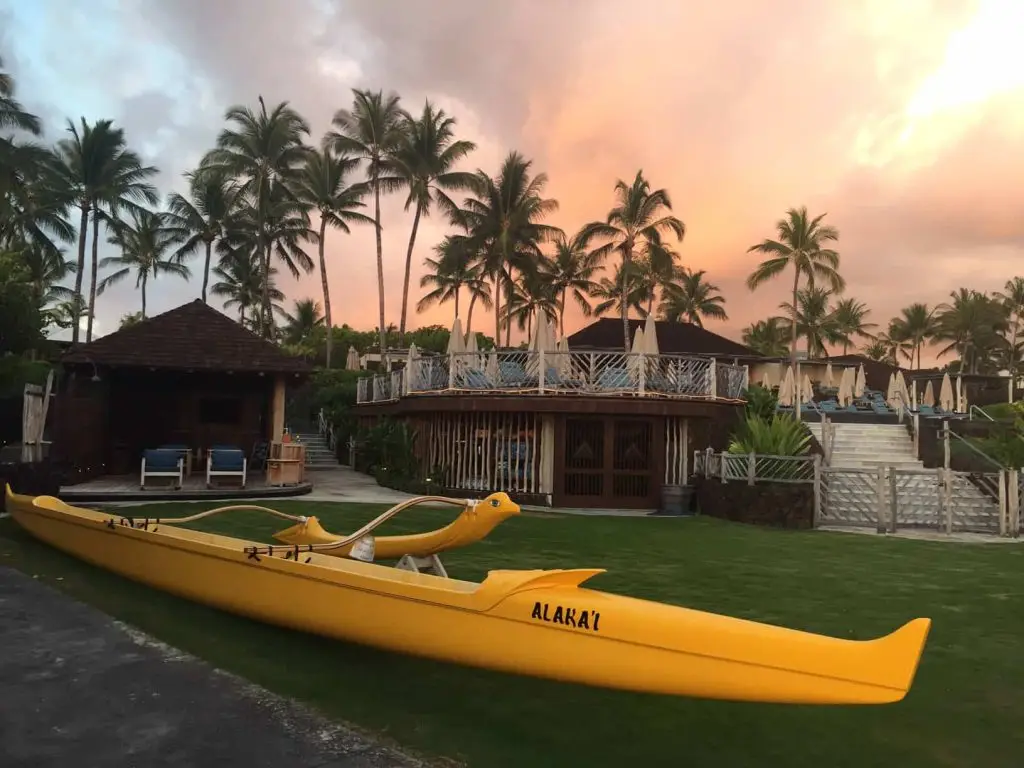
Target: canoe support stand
430,564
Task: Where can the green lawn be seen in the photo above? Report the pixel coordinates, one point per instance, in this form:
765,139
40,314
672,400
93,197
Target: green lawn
965,708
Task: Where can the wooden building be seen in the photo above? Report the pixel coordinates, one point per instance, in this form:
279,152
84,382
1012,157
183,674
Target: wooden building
602,428
191,376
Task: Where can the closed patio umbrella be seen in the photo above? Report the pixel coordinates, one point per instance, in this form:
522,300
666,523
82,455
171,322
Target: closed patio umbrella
651,336
901,390
845,394
890,391
946,393
412,370
828,376
929,395
807,390
959,405
860,383
786,388
352,359
471,349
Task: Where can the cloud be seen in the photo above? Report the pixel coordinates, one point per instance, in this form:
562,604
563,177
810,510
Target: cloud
897,119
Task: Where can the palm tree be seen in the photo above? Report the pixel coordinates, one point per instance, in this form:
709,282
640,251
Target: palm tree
799,244
815,320
302,322
916,325
502,216
12,114
610,294
323,184
98,172
878,351
973,324
424,163
1012,298
570,270
240,283
656,269
691,298
448,274
850,317
262,151
145,246
200,218
768,337
531,296
638,222
372,131
46,269
896,343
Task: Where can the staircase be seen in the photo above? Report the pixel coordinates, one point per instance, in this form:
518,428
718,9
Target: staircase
919,494
318,453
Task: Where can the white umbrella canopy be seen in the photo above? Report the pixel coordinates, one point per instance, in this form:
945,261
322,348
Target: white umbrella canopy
786,388
491,369
929,395
638,341
806,390
845,394
901,390
829,379
959,404
456,343
946,393
766,379
543,336
352,359
651,336
472,349
890,391
860,382
564,362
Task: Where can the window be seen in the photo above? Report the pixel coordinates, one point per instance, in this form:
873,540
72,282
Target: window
220,410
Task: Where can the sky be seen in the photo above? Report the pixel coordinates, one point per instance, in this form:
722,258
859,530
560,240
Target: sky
902,120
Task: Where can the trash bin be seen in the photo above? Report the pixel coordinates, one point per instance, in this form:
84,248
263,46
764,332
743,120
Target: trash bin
676,500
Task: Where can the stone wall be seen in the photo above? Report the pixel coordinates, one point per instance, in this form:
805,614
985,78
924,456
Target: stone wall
779,505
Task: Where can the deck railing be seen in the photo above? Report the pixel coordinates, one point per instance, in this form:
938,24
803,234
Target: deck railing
751,468
581,373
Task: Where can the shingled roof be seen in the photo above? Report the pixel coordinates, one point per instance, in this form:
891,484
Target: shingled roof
193,336
673,339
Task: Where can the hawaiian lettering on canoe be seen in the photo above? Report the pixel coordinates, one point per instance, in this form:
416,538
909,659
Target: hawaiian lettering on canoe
570,617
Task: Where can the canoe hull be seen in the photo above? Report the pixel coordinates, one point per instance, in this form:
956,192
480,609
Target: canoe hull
537,623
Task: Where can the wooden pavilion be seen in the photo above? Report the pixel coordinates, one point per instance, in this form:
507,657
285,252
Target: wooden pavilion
191,376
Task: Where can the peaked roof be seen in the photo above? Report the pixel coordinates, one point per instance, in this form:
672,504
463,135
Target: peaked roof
193,336
673,339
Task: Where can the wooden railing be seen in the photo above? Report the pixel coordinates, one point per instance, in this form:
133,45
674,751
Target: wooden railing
550,373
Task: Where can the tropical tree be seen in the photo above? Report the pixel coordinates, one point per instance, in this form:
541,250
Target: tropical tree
262,152
200,219
973,323
424,162
636,225
145,245
915,326
690,298
302,323
98,173
324,185
609,293
851,320
372,130
799,245
239,281
768,337
45,270
1012,299
503,217
878,351
531,296
570,270
448,274
12,114
815,320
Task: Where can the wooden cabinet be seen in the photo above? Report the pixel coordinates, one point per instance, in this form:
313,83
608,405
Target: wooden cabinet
286,464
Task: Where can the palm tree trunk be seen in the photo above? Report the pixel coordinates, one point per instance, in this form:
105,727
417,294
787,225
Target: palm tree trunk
95,268
627,258
497,309
469,314
206,268
456,307
327,292
408,269
265,309
561,315
380,266
142,288
792,347
508,320
83,228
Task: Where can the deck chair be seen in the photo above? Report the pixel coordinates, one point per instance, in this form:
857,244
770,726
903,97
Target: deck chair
162,462
225,462
183,450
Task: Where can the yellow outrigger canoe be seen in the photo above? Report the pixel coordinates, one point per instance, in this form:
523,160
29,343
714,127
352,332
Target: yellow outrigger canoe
476,520
540,623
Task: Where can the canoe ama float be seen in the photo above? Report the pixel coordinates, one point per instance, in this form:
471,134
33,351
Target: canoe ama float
540,623
476,520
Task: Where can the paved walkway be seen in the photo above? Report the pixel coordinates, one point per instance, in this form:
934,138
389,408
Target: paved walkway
79,689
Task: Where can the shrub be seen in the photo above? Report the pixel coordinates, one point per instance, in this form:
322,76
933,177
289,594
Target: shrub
781,435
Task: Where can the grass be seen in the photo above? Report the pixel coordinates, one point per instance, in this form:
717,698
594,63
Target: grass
964,709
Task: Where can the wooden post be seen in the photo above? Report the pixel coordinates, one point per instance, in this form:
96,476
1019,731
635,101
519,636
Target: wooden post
277,410
1013,501
722,465
880,499
1004,517
947,490
751,467
817,491
542,373
893,500
945,444
714,380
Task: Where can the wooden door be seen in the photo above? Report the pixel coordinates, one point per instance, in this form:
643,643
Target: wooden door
607,461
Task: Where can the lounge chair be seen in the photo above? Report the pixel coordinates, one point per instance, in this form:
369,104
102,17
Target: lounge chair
162,462
225,462
183,450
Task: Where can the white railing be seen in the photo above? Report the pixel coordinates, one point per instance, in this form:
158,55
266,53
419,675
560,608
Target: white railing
583,373
752,468
326,429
